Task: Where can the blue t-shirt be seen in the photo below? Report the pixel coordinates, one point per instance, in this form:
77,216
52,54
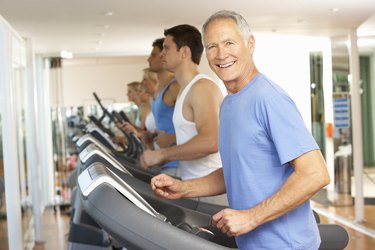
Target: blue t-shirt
163,118
261,131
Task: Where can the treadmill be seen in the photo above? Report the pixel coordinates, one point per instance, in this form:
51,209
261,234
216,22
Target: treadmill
333,236
146,222
92,154
89,145
140,224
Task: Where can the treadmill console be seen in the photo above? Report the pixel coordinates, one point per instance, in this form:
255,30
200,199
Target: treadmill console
97,174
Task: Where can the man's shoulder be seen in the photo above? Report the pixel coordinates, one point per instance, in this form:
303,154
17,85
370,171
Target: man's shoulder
205,90
174,86
203,77
205,82
173,89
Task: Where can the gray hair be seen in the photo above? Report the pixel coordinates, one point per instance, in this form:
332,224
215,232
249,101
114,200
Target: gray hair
240,21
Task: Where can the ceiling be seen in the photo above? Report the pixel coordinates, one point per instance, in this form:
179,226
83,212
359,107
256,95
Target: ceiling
122,27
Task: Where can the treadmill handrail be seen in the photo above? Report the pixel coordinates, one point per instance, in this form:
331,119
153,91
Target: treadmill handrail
92,128
93,149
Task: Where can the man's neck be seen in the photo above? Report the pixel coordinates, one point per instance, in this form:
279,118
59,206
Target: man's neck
164,78
137,102
186,74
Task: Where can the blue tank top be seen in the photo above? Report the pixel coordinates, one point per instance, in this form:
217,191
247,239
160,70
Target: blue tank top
162,112
163,117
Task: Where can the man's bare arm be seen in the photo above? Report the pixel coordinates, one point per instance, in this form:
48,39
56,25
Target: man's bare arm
204,100
167,187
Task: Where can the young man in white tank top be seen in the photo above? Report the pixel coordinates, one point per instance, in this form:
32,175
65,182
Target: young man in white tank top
196,114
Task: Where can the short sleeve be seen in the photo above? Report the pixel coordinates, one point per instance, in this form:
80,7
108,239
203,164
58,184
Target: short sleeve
285,127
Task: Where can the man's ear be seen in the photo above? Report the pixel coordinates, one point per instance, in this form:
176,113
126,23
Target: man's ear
251,43
186,52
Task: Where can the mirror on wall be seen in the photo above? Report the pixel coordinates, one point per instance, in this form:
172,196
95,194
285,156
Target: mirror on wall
343,136
341,94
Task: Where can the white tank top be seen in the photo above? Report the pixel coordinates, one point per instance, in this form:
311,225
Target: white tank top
185,130
150,123
151,126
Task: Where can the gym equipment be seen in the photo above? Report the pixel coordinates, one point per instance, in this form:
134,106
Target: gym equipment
101,186
93,154
88,146
136,223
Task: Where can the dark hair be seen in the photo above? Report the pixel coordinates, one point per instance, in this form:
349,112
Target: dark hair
187,35
158,43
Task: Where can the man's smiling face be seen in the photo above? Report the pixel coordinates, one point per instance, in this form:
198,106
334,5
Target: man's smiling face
228,53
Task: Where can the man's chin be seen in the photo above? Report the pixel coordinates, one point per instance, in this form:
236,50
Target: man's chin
225,77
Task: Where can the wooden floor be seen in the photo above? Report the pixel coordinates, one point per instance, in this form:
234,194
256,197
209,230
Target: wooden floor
357,240
55,228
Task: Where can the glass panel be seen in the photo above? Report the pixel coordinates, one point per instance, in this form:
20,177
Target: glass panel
317,99
26,200
14,67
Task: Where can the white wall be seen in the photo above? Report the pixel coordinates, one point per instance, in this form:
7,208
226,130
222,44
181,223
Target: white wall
106,76
285,59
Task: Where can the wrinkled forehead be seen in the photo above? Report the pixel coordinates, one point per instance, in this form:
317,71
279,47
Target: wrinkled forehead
215,21
220,27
